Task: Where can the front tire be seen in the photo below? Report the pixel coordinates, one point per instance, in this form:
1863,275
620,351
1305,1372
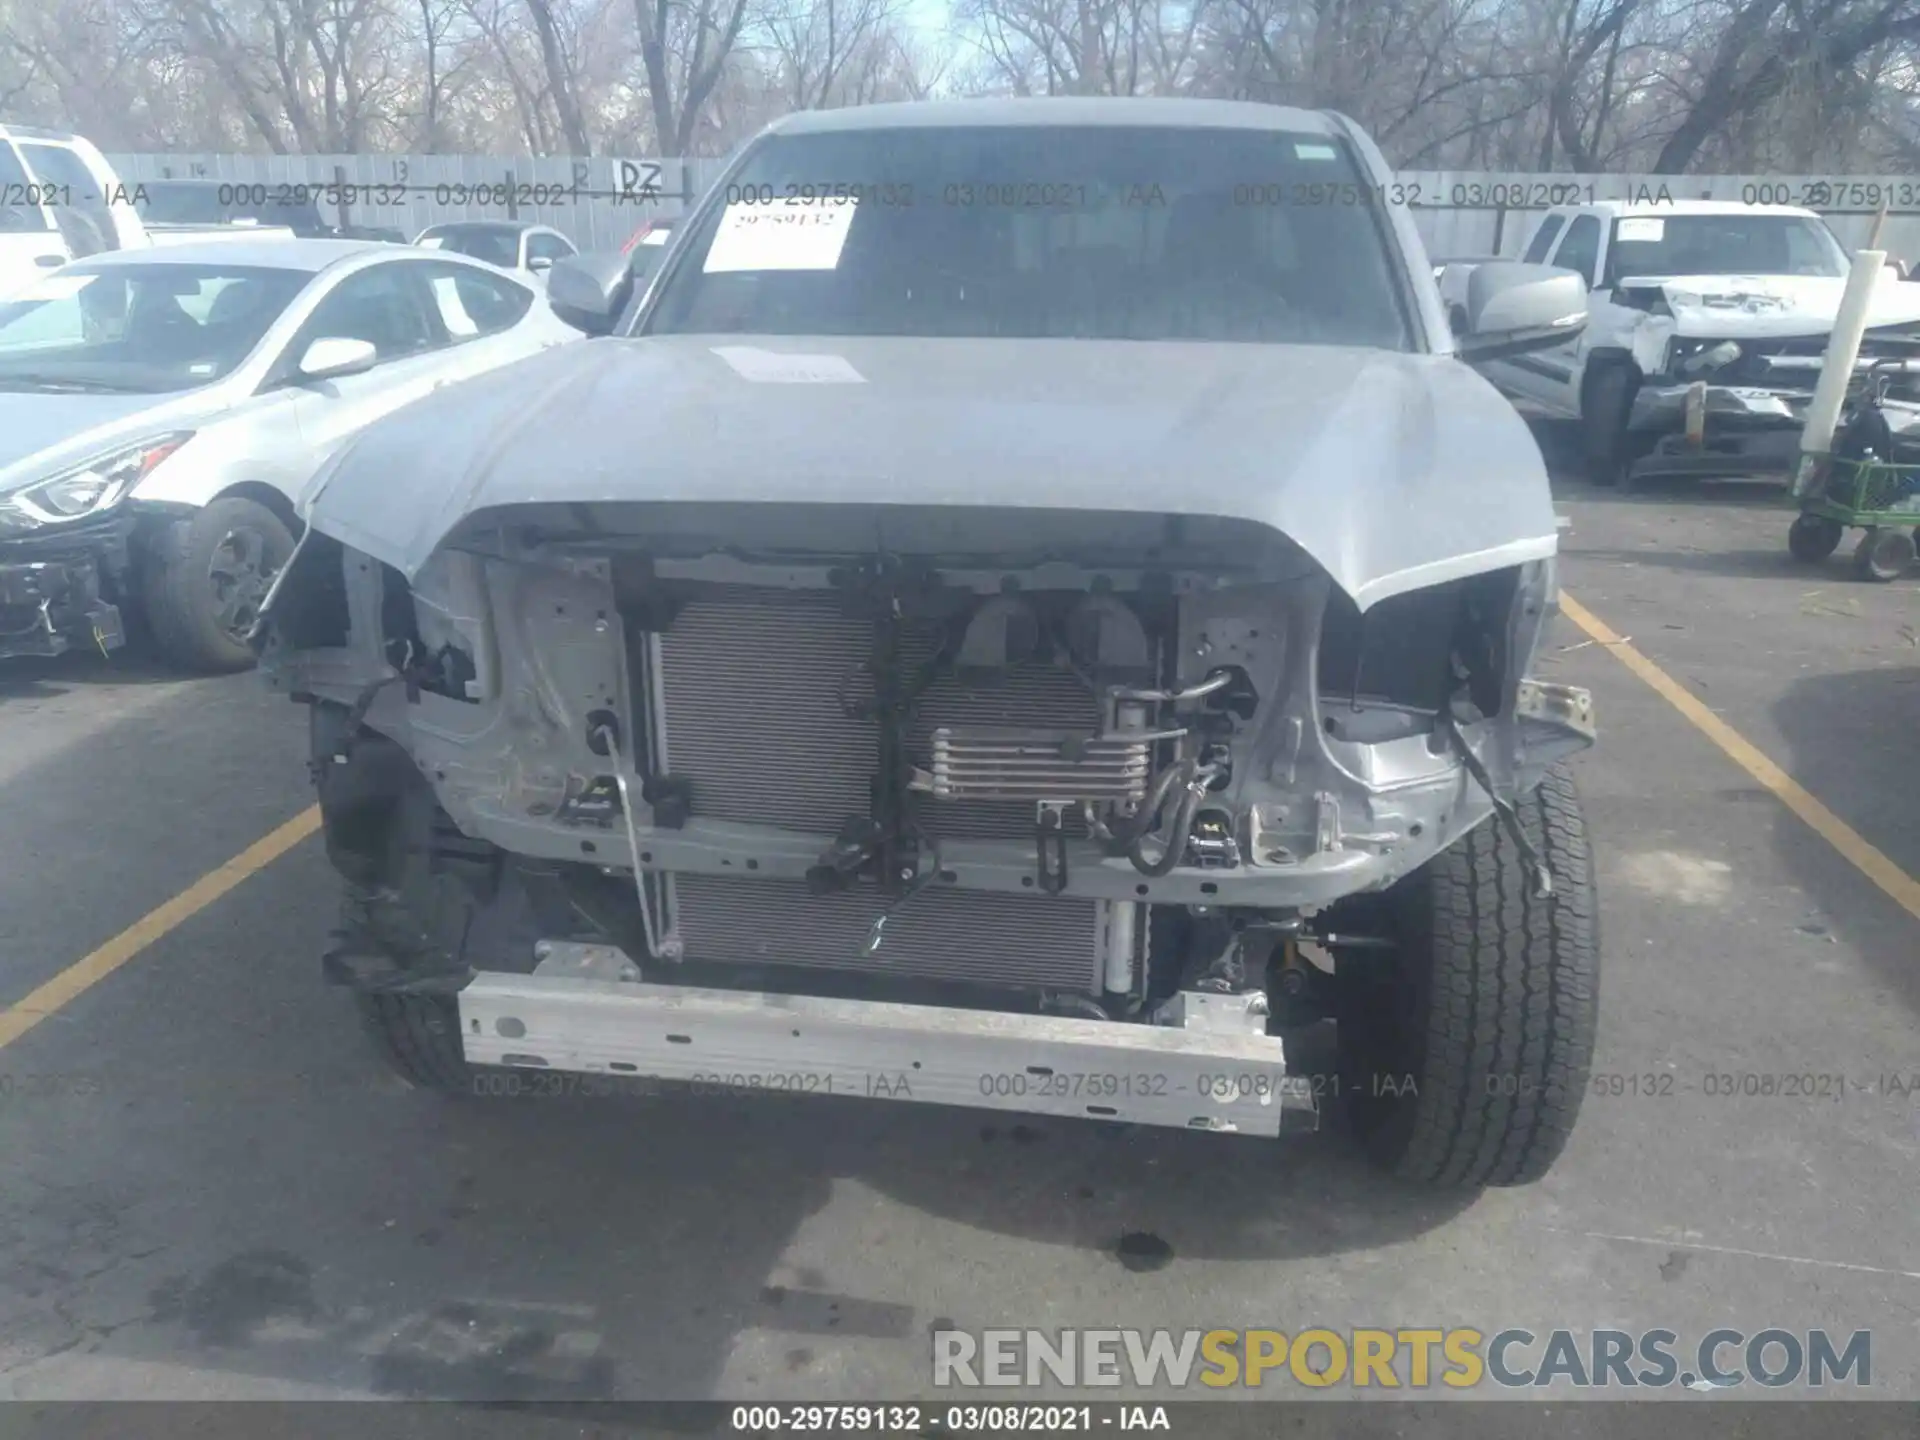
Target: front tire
203,582
1603,425
1466,1051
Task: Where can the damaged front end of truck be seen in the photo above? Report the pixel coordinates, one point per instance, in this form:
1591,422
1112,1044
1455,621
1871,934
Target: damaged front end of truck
975,809
1728,367
980,654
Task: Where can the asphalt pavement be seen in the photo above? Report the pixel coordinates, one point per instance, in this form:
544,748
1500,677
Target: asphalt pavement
208,1188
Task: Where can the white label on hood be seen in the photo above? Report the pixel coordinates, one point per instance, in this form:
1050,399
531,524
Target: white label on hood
1641,227
55,287
780,237
775,367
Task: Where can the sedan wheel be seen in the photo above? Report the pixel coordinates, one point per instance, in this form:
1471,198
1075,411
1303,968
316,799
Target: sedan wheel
240,573
207,578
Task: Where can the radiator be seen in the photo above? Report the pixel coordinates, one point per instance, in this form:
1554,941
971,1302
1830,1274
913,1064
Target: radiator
748,684
989,939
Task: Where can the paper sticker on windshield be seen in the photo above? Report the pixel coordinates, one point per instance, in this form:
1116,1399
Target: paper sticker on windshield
432,242
780,237
1304,151
57,287
776,367
657,237
1648,228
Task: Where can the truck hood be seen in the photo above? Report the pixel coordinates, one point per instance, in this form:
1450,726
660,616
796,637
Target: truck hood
1734,307
1393,471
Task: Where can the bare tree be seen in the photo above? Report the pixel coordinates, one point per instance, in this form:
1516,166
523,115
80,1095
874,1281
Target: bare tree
684,47
814,42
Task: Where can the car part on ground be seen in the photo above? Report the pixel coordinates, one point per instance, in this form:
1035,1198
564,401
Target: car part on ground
1149,680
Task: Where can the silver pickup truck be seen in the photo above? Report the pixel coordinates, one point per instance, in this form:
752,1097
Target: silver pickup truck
1034,623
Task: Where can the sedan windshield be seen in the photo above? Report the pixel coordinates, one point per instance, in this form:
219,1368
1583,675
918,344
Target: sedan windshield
1082,232
483,242
140,328
1724,245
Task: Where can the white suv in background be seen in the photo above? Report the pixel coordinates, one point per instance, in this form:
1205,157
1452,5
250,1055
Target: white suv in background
60,200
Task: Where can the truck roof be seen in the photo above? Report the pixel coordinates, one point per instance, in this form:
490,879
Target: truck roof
1155,113
34,132
1637,208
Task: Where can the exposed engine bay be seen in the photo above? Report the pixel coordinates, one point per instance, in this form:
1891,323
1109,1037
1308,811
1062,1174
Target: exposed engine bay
1095,774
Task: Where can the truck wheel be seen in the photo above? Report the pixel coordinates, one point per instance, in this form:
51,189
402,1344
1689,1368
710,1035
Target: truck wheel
1603,424
418,1036
1812,538
1465,1051
203,581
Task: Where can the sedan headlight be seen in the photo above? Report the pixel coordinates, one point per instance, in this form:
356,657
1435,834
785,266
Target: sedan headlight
88,489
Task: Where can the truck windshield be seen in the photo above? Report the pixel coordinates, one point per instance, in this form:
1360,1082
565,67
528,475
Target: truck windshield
195,203
1723,245
139,328
163,204
1077,232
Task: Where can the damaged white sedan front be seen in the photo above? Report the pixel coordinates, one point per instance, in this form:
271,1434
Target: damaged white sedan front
1036,631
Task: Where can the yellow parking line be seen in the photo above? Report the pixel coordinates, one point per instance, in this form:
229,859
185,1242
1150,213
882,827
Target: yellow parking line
90,970
1899,886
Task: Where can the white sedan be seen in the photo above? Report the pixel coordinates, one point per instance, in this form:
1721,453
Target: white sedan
161,412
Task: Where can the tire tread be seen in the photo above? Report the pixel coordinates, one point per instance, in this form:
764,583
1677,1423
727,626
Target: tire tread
1514,993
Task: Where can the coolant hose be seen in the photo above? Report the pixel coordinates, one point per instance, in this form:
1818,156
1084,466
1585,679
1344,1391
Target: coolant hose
1181,827
1127,833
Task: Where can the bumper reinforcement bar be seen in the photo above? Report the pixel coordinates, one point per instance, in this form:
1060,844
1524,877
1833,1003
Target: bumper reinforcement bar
1199,1075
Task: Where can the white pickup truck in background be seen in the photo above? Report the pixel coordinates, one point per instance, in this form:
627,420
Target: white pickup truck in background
60,200
1706,325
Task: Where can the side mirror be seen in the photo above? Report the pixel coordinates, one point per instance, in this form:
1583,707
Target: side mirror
540,264
332,357
589,291
1513,308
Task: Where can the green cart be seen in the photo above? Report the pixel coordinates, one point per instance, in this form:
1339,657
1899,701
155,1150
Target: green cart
1872,484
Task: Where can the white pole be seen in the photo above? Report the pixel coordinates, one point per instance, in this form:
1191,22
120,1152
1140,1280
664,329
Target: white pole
1843,350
